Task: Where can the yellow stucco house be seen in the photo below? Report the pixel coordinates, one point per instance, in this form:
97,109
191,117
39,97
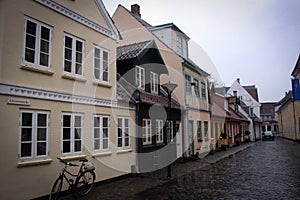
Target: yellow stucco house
58,94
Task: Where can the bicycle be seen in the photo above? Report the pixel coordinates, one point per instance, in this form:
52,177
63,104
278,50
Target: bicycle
84,179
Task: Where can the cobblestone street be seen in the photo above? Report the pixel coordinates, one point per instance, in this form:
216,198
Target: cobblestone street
261,170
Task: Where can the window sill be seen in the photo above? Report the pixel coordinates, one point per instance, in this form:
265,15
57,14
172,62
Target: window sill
122,151
37,69
102,84
71,158
33,162
101,154
74,77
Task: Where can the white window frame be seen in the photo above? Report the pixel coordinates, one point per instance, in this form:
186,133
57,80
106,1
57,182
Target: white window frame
147,131
154,82
140,77
159,131
101,137
203,90
188,87
101,64
72,133
170,131
73,55
206,129
124,130
38,39
34,133
196,87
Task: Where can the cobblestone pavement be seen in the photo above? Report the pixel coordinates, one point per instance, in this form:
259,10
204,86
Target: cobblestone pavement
267,170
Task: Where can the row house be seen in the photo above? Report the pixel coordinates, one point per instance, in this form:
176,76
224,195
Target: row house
288,109
196,118
139,68
250,105
59,94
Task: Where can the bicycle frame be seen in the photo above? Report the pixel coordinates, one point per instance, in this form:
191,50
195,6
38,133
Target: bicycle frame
72,185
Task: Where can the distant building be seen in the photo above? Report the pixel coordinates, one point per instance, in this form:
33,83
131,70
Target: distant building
269,117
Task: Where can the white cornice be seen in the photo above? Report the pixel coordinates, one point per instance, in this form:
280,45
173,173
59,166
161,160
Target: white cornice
38,93
79,18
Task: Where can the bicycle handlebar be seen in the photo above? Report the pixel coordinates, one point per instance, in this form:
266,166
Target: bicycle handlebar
67,163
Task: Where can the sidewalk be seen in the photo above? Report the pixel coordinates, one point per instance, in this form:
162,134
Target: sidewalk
127,188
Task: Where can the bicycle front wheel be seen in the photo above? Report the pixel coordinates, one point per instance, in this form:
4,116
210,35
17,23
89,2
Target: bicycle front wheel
85,182
56,188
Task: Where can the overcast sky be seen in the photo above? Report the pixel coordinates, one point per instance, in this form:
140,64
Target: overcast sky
257,41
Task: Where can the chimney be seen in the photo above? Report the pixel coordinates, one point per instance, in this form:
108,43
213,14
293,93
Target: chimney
135,9
238,80
235,93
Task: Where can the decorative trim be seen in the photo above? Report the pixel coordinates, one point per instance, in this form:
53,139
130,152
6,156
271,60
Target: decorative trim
70,158
74,77
77,17
121,151
38,93
102,84
33,162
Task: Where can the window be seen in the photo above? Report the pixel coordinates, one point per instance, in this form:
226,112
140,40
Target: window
123,132
154,82
73,55
196,88
101,132
34,128
199,131
179,47
206,130
147,131
101,65
140,77
203,90
37,43
188,87
170,133
159,131
72,133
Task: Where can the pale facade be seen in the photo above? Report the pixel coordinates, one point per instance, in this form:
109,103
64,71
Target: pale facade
58,94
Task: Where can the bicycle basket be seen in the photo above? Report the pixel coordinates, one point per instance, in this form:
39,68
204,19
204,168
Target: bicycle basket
89,166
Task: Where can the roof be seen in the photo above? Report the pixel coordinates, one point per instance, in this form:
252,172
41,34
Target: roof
296,70
252,90
267,109
217,111
169,25
132,50
138,17
193,66
163,100
288,96
231,114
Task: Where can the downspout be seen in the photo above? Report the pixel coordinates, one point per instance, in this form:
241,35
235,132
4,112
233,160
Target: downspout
137,135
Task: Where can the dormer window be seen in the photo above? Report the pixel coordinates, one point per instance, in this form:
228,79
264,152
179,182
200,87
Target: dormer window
154,82
179,46
140,77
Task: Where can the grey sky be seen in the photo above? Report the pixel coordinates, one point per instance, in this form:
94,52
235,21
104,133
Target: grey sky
257,41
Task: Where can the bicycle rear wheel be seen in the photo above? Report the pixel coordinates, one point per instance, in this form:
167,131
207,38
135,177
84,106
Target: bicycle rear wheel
56,188
85,182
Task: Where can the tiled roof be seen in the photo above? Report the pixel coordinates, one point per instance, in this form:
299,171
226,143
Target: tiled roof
217,111
137,17
267,109
252,90
132,50
235,116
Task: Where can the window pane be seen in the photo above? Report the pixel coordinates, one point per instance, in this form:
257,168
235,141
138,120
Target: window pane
126,123
44,46
77,146
119,132
67,120
97,53
30,41
77,121
105,133
26,119
68,66
105,56
25,149
79,46
97,73
68,42
105,122
44,59
97,63
77,133
96,133
78,57
31,27
105,144
78,69
29,55
68,54
119,142
42,120
45,33
41,134
26,134
126,141
41,148
66,146
66,133
96,121
97,144
105,76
